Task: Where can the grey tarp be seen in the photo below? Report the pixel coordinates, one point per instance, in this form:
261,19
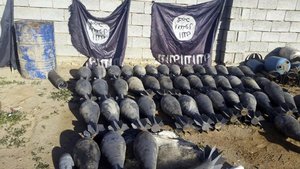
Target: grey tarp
7,39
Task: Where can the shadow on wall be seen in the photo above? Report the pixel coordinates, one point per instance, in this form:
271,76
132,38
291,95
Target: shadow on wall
223,31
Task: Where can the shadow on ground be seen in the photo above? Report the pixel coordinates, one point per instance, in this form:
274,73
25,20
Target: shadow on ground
273,136
68,138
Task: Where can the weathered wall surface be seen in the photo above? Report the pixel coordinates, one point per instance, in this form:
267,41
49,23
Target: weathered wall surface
249,25
259,26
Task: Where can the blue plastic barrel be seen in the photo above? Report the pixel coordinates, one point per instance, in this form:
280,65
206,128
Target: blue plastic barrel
36,49
255,65
278,64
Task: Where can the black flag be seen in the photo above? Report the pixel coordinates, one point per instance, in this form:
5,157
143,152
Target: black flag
7,39
184,34
104,39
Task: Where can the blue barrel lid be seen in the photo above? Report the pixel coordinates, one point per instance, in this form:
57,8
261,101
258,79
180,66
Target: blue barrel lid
278,64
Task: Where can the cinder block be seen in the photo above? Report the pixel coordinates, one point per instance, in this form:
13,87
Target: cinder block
103,14
91,4
52,14
66,50
97,13
147,54
186,2
27,13
246,13
231,36
292,16
67,15
264,54
270,37
141,42
61,38
241,25
136,31
273,46
294,45
298,5
239,57
239,47
298,39
130,18
288,37
213,56
287,4
137,7
109,5
267,4
61,27
242,36
235,13
62,4
39,3
245,3
146,31
295,27
254,36
134,53
228,58
1,12
259,46
69,41
129,42
148,7
21,3
275,15
258,14
281,26
262,25
141,19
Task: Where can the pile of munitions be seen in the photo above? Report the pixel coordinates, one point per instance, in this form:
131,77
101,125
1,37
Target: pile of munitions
282,65
146,98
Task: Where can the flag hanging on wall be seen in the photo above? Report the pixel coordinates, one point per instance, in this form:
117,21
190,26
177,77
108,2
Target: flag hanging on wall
184,34
7,39
104,39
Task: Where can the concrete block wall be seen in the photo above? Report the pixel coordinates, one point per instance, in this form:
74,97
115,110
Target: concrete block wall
251,26
258,26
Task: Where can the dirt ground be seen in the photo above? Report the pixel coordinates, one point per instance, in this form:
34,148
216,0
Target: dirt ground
41,128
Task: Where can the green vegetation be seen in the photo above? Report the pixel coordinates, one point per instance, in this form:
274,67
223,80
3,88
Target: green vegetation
39,163
45,117
9,82
11,117
61,95
14,137
36,82
54,112
41,94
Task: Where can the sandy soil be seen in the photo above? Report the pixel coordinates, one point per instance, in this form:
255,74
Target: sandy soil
51,128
